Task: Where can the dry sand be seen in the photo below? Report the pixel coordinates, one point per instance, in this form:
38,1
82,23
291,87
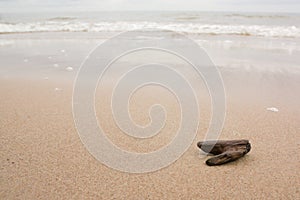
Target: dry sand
42,156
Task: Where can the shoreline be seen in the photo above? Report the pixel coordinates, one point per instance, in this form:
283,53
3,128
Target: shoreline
42,156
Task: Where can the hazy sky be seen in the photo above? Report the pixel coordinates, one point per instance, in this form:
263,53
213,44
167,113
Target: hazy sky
202,5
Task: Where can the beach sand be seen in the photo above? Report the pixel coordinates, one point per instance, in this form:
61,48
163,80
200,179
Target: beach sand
42,156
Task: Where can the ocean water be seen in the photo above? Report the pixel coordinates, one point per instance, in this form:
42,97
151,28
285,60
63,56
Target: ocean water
196,23
234,41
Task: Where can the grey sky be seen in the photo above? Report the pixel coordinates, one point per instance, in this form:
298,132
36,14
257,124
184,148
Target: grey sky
99,5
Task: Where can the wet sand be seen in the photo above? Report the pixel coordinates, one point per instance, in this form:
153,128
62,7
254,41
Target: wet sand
42,156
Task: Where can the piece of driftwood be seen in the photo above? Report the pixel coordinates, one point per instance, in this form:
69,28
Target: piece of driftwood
224,150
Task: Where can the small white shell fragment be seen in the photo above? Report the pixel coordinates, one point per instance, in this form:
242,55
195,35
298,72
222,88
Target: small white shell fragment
69,69
55,65
58,89
49,57
63,51
46,78
273,109
25,60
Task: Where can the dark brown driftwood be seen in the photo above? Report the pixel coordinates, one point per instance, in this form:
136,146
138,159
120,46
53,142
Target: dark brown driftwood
224,150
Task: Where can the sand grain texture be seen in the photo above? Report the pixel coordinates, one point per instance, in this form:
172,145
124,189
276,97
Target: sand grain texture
42,156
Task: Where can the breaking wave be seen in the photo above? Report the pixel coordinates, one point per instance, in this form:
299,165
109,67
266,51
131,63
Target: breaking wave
189,28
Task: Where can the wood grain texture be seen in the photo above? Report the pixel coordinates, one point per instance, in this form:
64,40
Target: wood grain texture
224,150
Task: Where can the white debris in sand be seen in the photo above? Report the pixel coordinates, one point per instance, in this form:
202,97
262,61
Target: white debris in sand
46,78
55,65
69,69
273,109
25,60
49,57
63,51
58,89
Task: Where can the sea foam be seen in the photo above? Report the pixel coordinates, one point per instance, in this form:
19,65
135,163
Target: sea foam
188,28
